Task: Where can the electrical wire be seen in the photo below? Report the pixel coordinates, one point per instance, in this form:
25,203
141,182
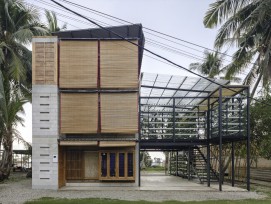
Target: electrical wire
153,53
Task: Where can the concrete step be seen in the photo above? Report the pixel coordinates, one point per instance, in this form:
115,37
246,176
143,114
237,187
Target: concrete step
101,184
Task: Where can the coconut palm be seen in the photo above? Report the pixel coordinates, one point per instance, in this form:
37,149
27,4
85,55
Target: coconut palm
246,25
52,23
212,66
18,24
11,104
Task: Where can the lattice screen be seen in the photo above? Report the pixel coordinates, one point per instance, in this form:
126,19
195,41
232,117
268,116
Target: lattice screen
44,63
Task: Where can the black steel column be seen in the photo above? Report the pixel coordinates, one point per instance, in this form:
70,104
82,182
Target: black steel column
220,137
139,176
248,140
232,164
176,163
173,119
208,144
189,163
139,137
170,156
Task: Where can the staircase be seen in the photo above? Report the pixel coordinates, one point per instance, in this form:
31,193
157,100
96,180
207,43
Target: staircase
198,166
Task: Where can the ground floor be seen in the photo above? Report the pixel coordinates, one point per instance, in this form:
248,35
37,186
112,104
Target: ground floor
104,163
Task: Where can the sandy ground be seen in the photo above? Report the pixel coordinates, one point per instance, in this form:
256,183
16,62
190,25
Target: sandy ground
18,190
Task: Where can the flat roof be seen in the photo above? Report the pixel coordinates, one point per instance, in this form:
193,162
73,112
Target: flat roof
158,90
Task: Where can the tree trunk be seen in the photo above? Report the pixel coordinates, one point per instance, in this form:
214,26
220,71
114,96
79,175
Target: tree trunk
6,163
256,85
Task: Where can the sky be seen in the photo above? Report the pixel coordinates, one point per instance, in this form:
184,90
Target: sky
180,18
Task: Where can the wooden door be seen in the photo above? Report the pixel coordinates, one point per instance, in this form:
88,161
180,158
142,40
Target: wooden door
74,165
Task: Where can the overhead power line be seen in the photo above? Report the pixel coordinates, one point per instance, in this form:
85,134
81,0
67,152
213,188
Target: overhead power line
150,29
151,52
116,19
155,43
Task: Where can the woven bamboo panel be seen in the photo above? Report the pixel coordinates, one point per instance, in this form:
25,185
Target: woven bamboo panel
44,63
78,64
119,64
119,113
79,113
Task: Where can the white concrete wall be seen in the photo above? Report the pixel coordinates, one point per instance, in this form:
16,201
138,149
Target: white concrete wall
45,125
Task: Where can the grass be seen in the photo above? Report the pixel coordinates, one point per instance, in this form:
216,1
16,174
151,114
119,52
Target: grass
109,201
15,177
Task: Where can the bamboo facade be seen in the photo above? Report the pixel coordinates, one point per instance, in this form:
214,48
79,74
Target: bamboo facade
44,63
78,64
119,64
79,113
119,113
99,65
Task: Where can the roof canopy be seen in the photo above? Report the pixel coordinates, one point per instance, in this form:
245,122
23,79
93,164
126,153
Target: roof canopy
158,90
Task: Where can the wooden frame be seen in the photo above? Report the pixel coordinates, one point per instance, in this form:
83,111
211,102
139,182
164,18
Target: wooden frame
117,177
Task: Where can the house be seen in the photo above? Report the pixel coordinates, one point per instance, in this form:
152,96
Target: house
93,111
85,107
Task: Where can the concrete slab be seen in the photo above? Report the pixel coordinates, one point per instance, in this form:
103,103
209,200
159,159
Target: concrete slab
154,182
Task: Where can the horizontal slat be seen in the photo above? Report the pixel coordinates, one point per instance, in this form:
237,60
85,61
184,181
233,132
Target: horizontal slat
78,64
119,113
119,64
79,113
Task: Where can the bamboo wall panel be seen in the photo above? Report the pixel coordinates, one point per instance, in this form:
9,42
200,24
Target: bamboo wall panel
119,64
74,165
91,165
78,64
79,113
119,113
44,63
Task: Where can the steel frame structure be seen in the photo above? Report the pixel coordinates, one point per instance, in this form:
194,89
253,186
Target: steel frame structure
191,118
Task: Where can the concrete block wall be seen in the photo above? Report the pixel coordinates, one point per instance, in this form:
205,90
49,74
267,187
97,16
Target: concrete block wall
45,135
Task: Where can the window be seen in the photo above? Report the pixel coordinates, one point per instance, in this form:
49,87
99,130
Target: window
117,165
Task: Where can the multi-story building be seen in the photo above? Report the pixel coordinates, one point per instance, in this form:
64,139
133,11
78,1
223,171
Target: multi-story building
85,107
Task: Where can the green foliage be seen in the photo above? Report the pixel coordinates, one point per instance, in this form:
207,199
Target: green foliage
246,25
145,159
52,23
18,24
260,124
212,66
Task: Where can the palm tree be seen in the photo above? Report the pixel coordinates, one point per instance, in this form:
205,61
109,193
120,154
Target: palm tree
245,24
212,65
11,104
18,24
52,23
